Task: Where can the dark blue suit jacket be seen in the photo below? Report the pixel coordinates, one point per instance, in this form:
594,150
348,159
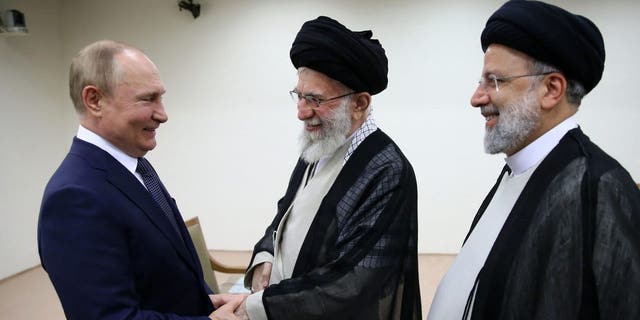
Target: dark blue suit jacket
110,251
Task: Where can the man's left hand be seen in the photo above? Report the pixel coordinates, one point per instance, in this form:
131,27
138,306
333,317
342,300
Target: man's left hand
221,299
241,311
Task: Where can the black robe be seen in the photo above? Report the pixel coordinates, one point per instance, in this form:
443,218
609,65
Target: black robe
570,248
359,258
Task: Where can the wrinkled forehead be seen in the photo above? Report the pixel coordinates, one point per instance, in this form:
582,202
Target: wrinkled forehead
311,79
499,58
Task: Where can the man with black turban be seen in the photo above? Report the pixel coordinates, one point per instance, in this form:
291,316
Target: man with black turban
343,244
558,235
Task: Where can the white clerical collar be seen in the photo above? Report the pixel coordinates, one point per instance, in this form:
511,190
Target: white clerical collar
524,159
126,160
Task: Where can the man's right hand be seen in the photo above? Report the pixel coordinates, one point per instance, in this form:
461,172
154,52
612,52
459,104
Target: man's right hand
261,275
225,305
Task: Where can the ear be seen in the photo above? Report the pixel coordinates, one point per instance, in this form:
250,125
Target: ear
555,87
92,97
362,101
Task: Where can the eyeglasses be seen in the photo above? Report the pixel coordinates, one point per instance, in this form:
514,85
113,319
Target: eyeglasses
491,81
314,102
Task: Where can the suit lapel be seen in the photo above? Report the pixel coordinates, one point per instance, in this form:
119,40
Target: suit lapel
141,197
123,180
184,233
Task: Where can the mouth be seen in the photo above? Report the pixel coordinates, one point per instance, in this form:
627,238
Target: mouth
150,131
313,125
490,114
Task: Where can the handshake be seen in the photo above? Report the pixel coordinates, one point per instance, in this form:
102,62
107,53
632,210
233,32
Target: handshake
229,306
233,306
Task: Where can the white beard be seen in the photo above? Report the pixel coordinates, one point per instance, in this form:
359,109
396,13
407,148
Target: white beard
329,138
516,122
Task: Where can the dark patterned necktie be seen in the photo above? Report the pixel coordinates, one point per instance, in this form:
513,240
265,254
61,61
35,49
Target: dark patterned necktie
152,181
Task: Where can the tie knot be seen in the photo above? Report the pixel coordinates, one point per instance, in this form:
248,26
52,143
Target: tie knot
144,167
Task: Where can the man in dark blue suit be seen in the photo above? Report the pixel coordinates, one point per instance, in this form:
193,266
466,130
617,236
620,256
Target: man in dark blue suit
110,236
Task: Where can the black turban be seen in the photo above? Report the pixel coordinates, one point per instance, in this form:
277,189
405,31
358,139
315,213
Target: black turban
351,57
552,35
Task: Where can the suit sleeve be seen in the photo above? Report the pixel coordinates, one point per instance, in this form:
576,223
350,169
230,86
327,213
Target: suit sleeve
84,250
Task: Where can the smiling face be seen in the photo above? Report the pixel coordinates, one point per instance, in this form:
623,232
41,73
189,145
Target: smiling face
517,120
316,84
512,114
129,117
325,128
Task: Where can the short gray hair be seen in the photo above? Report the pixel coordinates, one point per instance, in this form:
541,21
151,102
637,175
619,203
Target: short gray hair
575,90
94,65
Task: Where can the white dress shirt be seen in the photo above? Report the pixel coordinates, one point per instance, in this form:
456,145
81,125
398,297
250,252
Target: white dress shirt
126,160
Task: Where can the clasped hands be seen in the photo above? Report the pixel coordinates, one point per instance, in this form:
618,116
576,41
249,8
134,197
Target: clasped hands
229,306
234,306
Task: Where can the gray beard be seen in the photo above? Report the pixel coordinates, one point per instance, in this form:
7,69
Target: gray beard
516,122
332,136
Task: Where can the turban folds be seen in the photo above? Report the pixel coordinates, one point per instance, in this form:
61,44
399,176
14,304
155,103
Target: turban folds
549,34
351,57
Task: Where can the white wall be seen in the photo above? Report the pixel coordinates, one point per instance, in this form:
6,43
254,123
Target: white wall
231,141
34,131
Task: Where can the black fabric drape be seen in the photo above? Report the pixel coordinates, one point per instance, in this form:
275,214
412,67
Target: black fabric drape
359,258
570,248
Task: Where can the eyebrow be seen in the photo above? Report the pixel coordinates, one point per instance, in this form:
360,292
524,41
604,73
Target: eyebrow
490,72
151,94
311,94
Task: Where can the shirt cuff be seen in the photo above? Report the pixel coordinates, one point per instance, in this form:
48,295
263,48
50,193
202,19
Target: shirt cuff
255,308
262,256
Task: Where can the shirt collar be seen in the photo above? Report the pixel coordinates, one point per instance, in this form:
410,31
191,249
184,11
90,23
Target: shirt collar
524,159
89,136
367,128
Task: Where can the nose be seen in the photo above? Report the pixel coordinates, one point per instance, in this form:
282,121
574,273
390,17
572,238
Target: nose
159,114
480,97
304,110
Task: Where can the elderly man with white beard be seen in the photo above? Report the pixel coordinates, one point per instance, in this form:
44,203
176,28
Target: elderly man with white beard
343,244
557,236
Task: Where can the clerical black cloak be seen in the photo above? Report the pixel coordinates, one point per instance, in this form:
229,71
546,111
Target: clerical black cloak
570,248
359,258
